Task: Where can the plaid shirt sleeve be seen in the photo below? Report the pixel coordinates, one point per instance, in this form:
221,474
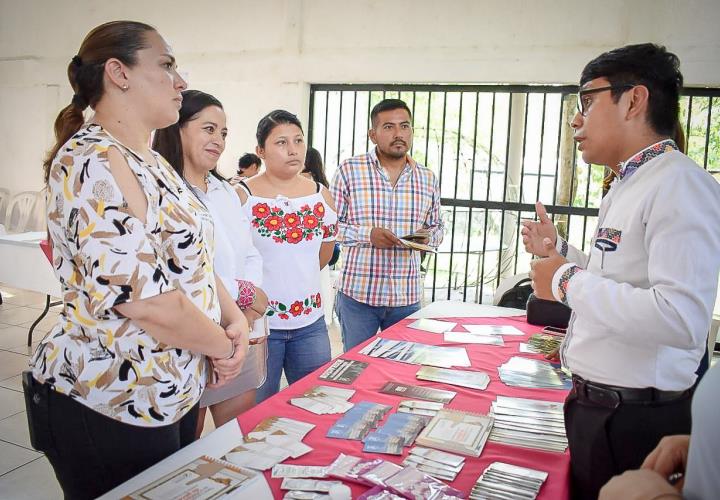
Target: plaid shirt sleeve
434,222
348,234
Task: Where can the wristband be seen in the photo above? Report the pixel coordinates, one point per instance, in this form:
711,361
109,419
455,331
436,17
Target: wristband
246,294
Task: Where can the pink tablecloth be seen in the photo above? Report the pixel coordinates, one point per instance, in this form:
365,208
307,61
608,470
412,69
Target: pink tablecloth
482,357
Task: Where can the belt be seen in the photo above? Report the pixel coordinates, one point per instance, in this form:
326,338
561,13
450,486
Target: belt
611,396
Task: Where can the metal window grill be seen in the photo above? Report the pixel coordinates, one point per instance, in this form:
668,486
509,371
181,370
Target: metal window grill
495,149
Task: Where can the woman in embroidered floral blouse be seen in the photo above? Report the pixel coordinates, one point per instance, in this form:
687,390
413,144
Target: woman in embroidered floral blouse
294,226
114,387
193,147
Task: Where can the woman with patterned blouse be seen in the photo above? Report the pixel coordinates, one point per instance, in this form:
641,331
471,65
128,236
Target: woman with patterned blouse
115,386
294,225
193,147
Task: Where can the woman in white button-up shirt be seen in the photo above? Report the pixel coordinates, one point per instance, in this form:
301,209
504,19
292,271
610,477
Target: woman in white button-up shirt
193,146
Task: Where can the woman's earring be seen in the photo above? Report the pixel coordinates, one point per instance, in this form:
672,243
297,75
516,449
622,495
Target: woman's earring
124,87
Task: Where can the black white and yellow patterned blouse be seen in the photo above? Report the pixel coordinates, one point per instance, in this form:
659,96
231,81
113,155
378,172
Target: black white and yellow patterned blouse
104,256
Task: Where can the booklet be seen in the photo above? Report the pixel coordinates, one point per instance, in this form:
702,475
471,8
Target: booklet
432,325
493,330
343,371
463,378
203,478
418,392
472,338
414,245
457,432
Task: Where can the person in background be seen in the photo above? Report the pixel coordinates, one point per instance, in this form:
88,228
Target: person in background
248,166
294,227
115,385
193,147
642,302
380,196
314,168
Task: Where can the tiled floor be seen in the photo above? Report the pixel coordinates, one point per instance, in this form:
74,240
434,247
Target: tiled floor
25,473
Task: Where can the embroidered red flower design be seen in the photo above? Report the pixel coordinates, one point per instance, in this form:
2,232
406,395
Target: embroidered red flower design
319,209
293,235
307,311
273,222
283,316
318,300
296,308
291,220
305,208
261,210
310,221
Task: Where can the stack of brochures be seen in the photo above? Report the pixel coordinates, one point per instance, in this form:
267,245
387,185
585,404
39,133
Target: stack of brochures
508,482
399,430
203,478
359,421
428,408
541,343
416,353
445,466
533,373
457,432
271,441
324,399
463,378
529,423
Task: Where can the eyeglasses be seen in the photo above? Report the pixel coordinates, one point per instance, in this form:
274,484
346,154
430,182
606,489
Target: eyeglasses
583,104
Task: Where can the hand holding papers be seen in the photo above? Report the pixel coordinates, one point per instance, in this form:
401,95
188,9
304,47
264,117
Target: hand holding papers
415,241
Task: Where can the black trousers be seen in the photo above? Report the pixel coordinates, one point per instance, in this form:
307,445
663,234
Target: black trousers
92,453
606,441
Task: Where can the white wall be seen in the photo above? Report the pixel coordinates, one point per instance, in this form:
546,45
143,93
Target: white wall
259,55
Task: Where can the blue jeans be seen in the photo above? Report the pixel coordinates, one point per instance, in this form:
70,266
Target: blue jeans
298,352
360,321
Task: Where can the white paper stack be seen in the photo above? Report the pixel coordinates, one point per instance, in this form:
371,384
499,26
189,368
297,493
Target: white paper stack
324,399
271,441
503,481
529,423
439,464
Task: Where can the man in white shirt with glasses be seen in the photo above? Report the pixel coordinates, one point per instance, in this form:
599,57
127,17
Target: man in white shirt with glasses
642,299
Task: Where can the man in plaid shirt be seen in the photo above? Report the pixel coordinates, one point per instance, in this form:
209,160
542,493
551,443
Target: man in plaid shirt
380,196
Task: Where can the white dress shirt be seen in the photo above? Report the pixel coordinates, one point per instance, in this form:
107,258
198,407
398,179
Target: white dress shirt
643,299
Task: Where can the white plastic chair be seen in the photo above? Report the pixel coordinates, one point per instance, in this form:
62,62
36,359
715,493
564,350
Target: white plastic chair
19,215
4,198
